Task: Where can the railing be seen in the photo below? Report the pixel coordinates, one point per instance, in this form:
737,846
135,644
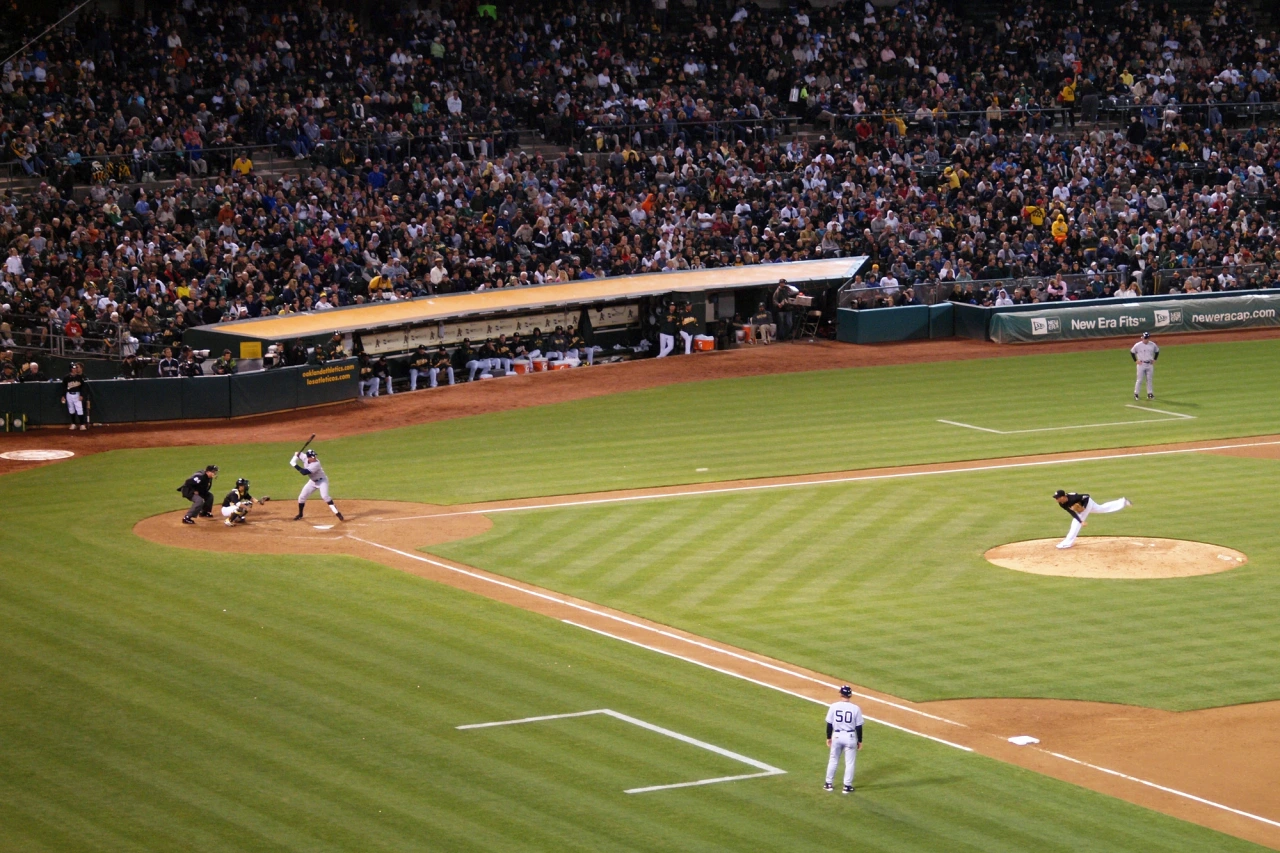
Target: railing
1247,276
54,341
124,168
648,134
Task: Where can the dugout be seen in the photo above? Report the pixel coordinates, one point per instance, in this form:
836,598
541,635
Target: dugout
614,309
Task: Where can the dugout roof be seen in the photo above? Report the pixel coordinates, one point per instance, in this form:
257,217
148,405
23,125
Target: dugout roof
511,300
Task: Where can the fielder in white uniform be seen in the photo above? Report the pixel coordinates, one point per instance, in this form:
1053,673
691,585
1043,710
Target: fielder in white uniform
311,468
844,735
1145,352
1078,506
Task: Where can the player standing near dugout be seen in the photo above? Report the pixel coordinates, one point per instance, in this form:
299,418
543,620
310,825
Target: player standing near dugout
308,465
1145,352
75,396
844,735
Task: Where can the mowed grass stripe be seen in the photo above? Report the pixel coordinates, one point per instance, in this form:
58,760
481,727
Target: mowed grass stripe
830,421
900,566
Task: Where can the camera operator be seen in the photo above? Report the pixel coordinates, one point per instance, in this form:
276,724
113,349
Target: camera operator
785,308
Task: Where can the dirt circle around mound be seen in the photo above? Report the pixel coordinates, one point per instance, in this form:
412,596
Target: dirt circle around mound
1117,558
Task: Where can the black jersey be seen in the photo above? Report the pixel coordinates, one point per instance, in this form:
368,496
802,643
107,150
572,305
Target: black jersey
198,483
1075,504
419,361
73,384
234,497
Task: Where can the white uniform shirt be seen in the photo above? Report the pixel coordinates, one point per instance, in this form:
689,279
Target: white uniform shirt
1145,351
844,717
314,469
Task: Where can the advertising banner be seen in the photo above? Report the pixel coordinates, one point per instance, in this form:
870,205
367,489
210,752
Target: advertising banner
1069,321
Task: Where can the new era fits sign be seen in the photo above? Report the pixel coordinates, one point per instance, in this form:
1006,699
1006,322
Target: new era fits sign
1168,317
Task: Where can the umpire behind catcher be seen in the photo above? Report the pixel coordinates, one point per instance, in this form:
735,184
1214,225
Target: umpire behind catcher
198,489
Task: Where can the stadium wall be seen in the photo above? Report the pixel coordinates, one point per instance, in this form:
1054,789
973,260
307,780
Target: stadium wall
133,400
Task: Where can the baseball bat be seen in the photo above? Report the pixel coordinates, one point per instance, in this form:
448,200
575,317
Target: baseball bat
308,444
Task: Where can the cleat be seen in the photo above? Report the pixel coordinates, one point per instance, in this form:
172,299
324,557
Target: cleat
298,517
828,787
186,519
228,522
848,789
83,427
1135,395
1151,396
340,518
1062,547
1128,502
73,426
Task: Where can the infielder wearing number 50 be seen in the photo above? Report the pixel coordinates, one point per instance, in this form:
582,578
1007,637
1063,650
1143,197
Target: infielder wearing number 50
844,735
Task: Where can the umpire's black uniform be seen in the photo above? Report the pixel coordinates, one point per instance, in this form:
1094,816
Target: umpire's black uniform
198,489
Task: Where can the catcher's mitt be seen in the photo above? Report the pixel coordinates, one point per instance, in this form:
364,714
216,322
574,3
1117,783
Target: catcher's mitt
263,500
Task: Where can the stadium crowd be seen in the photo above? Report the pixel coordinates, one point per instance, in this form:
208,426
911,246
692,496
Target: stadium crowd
1084,150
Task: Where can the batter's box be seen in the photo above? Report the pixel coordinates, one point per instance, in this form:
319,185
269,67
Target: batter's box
1169,416
764,769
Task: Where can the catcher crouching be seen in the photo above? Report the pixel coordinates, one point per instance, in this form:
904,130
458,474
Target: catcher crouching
238,502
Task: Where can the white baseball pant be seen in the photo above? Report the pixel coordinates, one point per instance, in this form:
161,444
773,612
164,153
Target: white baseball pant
847,743
313,486
1110,506
1147,370
75,403
666,343
688,342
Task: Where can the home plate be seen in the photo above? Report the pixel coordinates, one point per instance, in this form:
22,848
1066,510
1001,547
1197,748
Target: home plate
1023,740
323,526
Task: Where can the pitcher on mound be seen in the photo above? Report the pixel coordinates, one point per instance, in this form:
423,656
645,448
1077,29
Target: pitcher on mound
1078,506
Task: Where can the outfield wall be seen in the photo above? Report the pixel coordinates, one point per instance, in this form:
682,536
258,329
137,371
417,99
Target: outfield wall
132,400
1060,321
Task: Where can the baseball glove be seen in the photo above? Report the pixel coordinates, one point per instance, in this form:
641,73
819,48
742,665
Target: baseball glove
263,500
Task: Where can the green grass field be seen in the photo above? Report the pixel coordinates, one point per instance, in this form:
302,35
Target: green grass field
156,698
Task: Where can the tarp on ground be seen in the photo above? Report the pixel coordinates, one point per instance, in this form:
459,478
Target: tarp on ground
1076,320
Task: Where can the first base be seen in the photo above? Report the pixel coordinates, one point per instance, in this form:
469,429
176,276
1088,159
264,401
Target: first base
323,526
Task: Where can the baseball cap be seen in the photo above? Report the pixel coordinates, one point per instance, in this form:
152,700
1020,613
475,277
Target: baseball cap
1059,494
846,691
1146,334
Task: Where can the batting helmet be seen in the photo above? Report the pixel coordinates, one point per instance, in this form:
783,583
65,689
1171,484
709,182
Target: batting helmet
242,482
846,691
311,454
1146,334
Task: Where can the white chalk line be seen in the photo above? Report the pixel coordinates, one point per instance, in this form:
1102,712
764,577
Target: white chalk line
738,675
1173,416
1059,755
852,478
766,769
1164,788
634,624
1116,773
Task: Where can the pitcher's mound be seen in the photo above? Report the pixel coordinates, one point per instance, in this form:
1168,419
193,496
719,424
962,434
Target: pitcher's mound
1125,557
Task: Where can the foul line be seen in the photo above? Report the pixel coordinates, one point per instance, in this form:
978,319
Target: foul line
763,683
632,623
1173,791
1173,416
766,769
573,604
853,478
